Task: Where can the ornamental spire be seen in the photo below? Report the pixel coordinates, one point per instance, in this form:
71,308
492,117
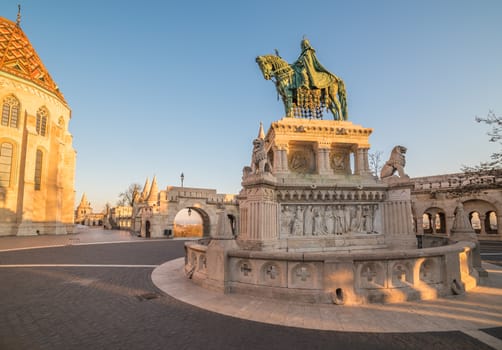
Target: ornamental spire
261,133
18,20
154,191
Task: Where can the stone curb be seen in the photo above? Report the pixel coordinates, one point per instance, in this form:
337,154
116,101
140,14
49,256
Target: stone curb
480,308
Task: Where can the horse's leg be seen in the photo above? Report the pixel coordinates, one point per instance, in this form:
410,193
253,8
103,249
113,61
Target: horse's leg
289,98
334,105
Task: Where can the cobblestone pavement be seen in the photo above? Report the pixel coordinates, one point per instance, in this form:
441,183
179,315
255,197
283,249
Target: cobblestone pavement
84,304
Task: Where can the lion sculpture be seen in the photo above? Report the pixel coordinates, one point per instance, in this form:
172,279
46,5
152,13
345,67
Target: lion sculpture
395,163
259,162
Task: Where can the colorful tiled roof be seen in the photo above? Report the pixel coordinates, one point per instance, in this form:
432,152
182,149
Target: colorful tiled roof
19,58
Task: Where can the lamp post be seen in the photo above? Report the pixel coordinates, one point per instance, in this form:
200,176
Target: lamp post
182,177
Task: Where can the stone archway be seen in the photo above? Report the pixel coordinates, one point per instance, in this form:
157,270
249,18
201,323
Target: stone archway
479,215
205,202
191,222
206,222
434,221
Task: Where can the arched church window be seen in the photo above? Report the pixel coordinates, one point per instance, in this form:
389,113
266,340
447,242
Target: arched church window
6,155
38,169
42,115
10,111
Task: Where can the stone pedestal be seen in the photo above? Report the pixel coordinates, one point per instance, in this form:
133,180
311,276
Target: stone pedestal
312,228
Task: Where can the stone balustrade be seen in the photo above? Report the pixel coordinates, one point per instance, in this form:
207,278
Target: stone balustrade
342,277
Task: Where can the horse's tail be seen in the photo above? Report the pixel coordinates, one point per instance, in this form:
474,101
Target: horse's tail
342,97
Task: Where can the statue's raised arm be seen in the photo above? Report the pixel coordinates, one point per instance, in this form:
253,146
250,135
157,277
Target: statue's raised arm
306,87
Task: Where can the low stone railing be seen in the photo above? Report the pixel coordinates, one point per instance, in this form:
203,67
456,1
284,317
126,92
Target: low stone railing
342,278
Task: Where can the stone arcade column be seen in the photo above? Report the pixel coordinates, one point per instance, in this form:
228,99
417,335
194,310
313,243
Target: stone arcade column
280,158
499,224
482,218
361,163
323,149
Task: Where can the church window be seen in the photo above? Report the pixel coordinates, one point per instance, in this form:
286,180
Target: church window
38,170
41,126
10,112
6,155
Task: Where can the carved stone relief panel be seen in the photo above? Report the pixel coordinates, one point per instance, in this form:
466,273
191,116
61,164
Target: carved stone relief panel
273,274
301,158
202,263
401,273
371,275
244,271
305,275
299,220
430,271
339,159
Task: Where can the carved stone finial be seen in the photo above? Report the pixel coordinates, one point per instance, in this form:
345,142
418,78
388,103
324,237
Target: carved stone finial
261,132
461,223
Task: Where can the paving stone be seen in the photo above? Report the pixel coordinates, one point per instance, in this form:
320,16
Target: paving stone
98,308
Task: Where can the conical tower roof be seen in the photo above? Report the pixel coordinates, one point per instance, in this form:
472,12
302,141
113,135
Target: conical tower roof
83,201
154,191
146,188
19,58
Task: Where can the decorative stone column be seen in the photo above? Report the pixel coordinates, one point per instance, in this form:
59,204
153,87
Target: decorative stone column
420,225
361,162
280,158
396,217
323,149
482,219
259,219
499,224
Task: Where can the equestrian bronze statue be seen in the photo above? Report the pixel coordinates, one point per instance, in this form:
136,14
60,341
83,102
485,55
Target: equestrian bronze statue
307,88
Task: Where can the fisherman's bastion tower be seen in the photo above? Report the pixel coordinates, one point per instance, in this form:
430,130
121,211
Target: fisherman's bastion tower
37,158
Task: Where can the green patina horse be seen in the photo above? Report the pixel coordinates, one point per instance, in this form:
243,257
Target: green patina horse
291,84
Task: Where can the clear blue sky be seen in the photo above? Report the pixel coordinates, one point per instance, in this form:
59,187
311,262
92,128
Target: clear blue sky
164,87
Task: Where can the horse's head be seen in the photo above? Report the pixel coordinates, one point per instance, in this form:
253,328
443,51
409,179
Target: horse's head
266,66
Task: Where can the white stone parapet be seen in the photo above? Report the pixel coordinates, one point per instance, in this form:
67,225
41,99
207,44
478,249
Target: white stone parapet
453,181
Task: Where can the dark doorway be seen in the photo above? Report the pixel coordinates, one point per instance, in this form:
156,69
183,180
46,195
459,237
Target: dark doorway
147,229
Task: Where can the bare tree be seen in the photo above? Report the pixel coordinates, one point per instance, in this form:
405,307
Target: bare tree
495,165
375,159
126,198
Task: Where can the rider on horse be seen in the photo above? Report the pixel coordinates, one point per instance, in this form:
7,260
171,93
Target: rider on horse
310,73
